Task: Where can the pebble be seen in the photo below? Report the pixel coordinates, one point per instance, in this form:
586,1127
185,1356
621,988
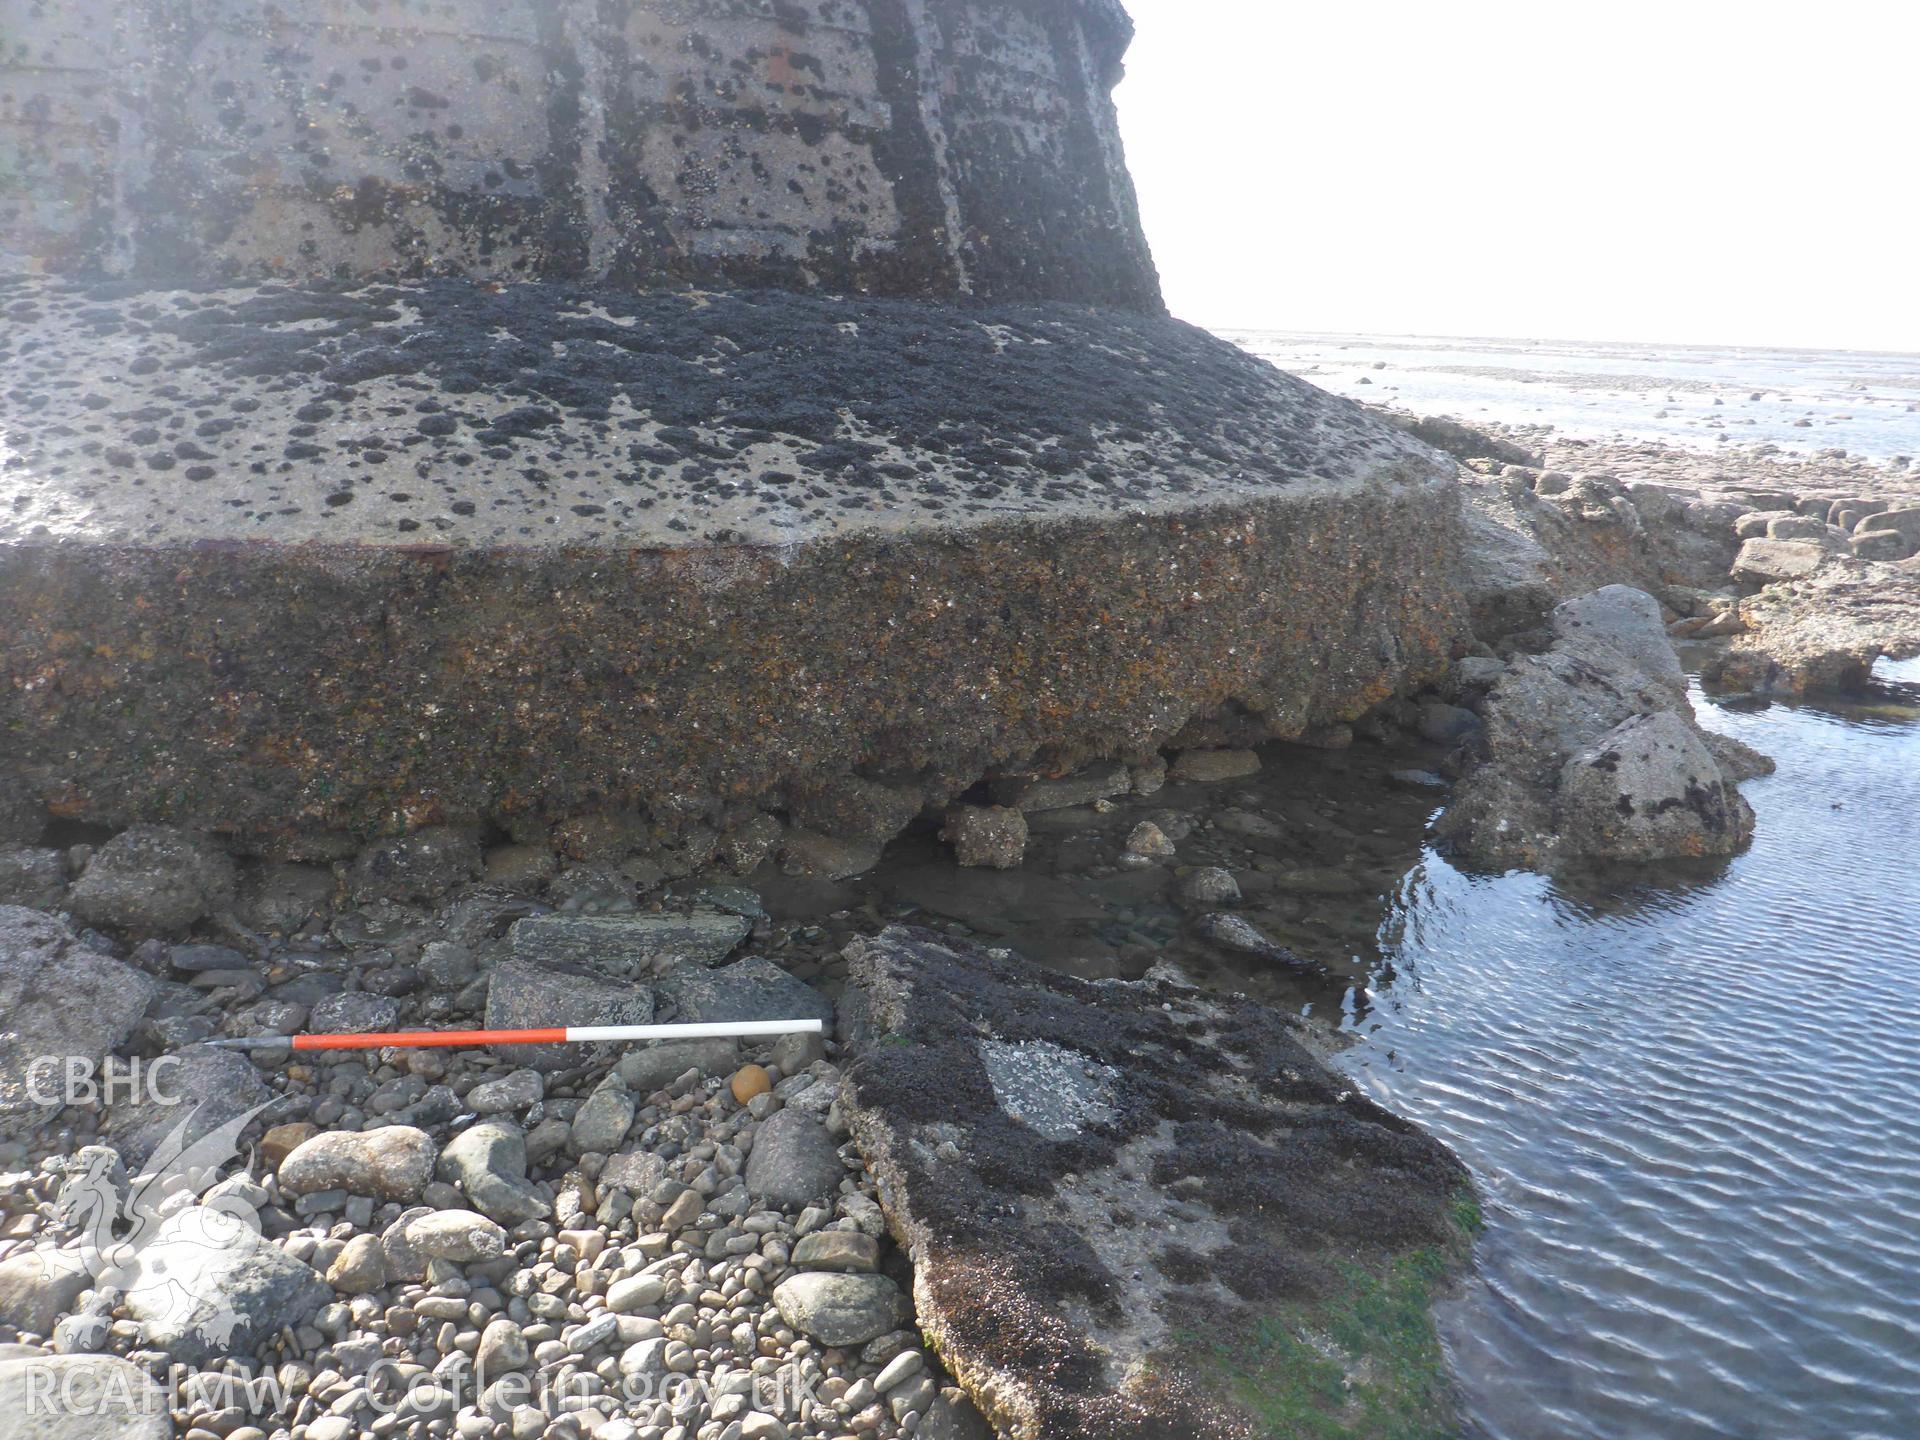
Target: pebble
602,1123
840,1309
573,1226
749,1081
1208,887
489,1161
1213,766
503,1347
509,1094
360,1267
460,1236
636,1292
1149,840
897,1370
846,1250
794,1161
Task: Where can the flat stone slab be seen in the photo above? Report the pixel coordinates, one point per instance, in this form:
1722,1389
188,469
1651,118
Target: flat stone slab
1111,1192
751,989
1823,632
522,996
287,559
605,941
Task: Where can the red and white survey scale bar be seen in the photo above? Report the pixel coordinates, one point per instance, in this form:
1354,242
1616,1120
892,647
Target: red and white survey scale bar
551,1035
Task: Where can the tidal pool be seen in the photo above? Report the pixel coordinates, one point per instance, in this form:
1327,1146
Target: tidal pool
1692,1105
1690,1097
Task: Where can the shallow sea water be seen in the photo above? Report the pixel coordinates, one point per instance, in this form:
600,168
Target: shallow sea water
1691,1100
1693,1109
1697,396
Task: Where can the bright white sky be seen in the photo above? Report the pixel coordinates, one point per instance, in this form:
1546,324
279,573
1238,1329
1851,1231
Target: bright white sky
1741,173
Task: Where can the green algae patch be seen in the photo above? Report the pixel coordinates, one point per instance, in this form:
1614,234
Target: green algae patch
1143,1212
1363,1364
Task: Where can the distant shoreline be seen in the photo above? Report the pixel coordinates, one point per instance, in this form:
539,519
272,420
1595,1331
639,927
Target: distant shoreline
1714,401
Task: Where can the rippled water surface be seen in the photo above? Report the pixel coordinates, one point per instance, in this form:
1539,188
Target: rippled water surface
1691,1100
1693,1110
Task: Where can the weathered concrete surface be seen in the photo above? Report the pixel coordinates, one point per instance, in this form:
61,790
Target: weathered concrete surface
920,147
280,560
1823,632
1107,1189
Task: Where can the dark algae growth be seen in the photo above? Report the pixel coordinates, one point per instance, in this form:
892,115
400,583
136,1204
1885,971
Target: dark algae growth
1140,1211
441,410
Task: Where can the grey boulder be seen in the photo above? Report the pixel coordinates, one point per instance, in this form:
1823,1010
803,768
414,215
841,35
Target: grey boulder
422,866
58,1000
750,989
1648,789
488,1161
1625,622
37,1287
459,1236
354,1012
651,1066
603,1120
838,1309
638,1172
392,1162
1611,663
81,1397
205,1287
205,1088
794,1162
32,877
153,879
526,996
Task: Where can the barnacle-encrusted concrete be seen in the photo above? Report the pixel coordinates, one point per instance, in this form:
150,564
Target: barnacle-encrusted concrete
289,558
456,520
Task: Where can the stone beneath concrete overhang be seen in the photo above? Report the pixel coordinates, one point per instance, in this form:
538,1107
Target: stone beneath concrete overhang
1117,1196
282,558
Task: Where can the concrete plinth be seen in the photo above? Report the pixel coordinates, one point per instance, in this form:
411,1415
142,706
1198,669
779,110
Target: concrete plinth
277,560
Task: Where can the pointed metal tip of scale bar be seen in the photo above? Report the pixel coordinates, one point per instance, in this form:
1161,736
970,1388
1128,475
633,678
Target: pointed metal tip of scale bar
250,1042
